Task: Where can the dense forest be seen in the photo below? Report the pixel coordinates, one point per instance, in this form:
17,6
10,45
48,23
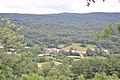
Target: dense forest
65,28
60,46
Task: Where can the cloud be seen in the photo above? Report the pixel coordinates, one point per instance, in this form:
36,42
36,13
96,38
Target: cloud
57,6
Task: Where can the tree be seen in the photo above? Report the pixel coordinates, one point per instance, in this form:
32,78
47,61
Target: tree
60,70
9,38
13,66
90,52
89,66
2,77
89,2
25,77
81,77
31,77
51,78
107,32
103,76
100,76
63,77
46,68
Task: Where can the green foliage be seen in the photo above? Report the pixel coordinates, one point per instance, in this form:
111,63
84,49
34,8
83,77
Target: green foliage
64,78
118,27
100,76
89,66
51,78
103,76
105,33
113,65
114,77
9,37
2,77
60,70
8,72
25,77
46,68
31,77
97,52
81,77
13,65
47,29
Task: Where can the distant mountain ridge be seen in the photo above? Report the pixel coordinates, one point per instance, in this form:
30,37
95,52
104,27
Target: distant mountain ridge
87,19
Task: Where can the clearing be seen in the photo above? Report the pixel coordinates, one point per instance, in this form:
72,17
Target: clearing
76,46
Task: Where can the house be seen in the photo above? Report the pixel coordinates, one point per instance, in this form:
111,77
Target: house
27,47
40,55
75,57
52,50
9,52
1,46
105,52
12,49
48,56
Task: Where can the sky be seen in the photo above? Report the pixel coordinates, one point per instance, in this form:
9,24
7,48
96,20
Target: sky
57,6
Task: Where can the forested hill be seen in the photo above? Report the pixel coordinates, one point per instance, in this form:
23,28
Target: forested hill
62,28
88,19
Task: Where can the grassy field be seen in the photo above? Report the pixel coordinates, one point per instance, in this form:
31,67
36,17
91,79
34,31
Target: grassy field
40,64
76,46
90,46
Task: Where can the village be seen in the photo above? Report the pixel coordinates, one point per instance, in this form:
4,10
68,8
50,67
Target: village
51,53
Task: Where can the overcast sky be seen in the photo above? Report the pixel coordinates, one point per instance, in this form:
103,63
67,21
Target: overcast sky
57,6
